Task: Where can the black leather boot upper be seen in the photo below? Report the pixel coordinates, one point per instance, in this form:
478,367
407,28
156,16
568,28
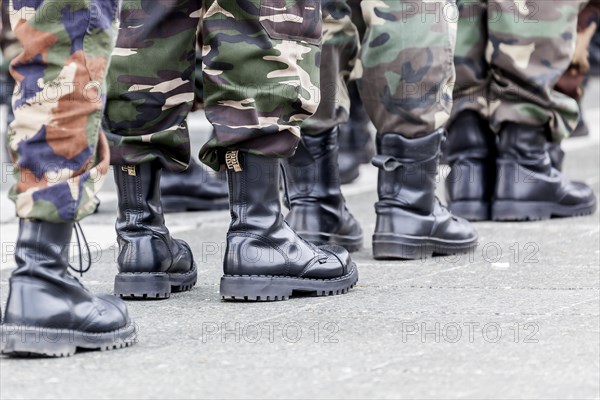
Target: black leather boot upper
556,154
471,155
259,241
317,206
407,180
44,294
145,244
525,172
356,143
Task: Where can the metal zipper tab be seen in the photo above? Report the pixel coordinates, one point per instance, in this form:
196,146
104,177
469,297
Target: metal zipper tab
232,161
130,169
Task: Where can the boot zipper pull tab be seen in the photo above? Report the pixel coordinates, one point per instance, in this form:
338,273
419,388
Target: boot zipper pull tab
232,161
130,169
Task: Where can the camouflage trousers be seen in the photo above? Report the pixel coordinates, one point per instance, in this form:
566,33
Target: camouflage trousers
260,72
509,57
60,156
405,66
261,80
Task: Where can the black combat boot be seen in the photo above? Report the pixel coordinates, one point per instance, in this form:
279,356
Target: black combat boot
151,262
265,259
195,189
411,221
471,155
556,154
49,312
527,187
356,143
318,210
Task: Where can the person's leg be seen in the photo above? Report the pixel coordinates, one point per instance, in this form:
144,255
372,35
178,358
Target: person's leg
529,49
268,80
407,59
356,138
151,91
198,188
317,208
471,145
261,80
61,159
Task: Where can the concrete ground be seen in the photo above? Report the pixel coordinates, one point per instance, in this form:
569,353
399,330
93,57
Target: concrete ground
517,318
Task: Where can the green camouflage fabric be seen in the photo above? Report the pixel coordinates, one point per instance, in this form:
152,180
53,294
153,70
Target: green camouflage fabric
405,68
261,78
509,57
338,56
407,64
60,156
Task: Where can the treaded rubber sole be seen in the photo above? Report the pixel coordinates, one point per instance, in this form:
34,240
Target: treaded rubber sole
512,210
28,341
275,288
391,246
471,210
153,286
350,243
173,204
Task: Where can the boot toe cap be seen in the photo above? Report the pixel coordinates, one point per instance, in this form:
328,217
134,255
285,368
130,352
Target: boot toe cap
578,193
183,260
114,315
460,230
334,263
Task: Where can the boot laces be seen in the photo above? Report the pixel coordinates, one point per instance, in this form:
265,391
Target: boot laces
79,235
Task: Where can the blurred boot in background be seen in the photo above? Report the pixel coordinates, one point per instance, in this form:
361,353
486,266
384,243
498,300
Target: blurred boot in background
355,137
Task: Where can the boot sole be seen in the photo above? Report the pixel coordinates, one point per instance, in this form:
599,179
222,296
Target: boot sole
173,204
401,247
350,243
153,286
510,210
471,210
274,288
28,341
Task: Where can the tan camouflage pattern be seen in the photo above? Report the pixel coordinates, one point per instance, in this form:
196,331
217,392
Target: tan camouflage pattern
60,155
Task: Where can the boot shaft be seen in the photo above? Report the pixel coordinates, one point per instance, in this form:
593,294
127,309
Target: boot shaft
254,199
469,136
525,145
471,153
312,173
408,171
138,188
42,248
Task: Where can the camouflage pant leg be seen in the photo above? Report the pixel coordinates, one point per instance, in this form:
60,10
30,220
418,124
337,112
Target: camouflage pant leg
472,72
530,46
60,156
338,56
261,74
407,61
151,83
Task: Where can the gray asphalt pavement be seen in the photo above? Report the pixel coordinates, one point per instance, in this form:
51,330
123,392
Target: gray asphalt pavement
517,318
